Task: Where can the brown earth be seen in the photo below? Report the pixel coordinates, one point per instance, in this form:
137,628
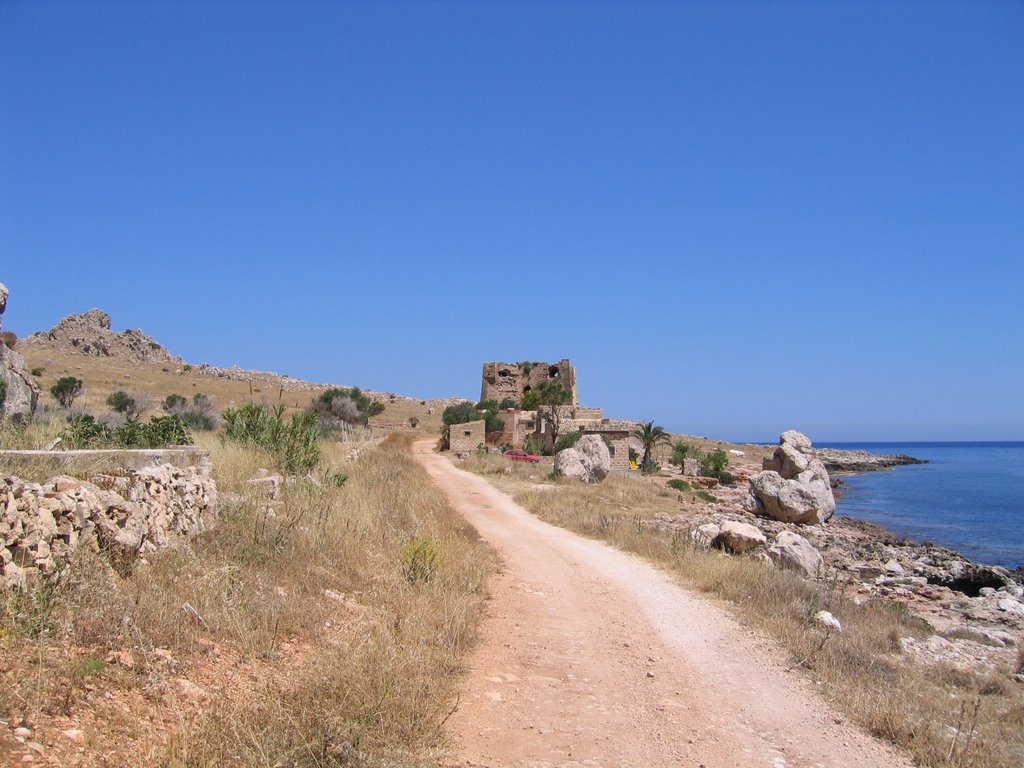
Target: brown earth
591,656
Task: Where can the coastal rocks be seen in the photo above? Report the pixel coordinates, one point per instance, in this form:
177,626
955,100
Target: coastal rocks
739,538
43,524
794,552
794,486
588,461
19,392
836,460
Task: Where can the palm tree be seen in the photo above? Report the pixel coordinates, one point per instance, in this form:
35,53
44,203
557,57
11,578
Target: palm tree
650,436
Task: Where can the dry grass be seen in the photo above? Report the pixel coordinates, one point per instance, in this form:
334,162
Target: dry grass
862,670
104,375
310,642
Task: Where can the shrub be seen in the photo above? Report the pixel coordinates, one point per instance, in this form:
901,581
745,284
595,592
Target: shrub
460,413
649,467
294,444
414,422
122,402
174,404
66,390
682,451
568,440
84,431
420,560
507,403
38,371
534,445
344,406
713,464
680,485
8,338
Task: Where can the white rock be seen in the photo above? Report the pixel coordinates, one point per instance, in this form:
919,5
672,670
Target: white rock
794,552
739,538
828,621
705,535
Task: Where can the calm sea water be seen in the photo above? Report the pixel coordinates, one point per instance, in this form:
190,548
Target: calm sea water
968,498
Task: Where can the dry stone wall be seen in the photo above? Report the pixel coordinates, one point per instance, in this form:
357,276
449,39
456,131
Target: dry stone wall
123,515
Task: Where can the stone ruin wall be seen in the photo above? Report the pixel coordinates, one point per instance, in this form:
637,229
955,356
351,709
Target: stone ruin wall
461,443
123,514
510,381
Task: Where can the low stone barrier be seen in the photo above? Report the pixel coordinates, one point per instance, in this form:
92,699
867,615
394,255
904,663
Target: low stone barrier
138,502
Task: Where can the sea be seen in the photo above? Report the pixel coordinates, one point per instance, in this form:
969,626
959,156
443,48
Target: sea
969,497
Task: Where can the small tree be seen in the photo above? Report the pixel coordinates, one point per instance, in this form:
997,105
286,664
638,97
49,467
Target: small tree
682,451
122,402
66,390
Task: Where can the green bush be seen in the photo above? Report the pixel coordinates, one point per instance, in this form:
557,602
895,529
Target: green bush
38,372
122,402
85,431
550,392
534,445
349,406
66,390
649,467
567,441
713,464
680,485
460,413
293,443
682,451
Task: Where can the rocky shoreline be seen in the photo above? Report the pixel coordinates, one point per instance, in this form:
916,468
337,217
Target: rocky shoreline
836,460
976,610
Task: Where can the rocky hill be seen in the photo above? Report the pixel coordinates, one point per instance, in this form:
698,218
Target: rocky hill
90,334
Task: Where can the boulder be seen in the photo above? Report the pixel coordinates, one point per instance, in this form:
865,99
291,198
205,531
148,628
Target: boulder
704,536
595,455
569,463
794,486
739,538
794,552
589,461
20,393
691,467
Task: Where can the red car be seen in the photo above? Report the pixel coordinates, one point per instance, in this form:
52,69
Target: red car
520,456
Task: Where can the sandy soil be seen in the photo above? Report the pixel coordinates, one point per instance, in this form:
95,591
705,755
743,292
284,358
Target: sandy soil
592,657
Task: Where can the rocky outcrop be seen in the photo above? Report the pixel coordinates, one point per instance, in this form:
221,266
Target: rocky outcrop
43,524
794,486
792,551
90,334
19,392
588,461
836,460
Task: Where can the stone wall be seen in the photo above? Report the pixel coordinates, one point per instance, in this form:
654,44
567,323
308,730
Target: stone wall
123,513
510,381
465,438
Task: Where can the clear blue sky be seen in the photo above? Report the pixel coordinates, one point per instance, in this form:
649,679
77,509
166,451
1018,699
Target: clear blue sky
735,218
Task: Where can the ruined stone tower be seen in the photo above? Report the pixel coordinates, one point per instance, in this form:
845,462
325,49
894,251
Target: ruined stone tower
510,381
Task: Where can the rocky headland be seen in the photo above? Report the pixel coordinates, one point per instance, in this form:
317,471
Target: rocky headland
836,460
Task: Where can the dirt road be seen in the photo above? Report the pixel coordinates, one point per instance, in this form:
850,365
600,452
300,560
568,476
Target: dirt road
592,657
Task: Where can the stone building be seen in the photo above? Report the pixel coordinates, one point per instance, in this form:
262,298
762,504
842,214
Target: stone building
465,438
510,381
616,433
